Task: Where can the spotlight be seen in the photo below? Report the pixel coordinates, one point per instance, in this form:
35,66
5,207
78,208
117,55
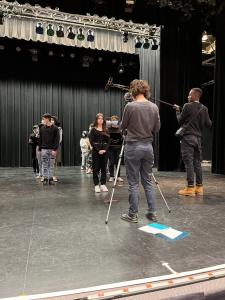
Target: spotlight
72,55
125,36
71,35
100,59
85,62
121,69
80,35
39,28
154,45
138,42
2,47
60,31
18,49
50,53
50,30
90,36
114,60
1,18
204,37
146,43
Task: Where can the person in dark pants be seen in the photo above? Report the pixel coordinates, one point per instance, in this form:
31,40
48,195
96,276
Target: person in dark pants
99,140
34,141
191,143
116,140
141,119
48,145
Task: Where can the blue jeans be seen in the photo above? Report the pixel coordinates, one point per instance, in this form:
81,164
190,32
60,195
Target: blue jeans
139,160
48,161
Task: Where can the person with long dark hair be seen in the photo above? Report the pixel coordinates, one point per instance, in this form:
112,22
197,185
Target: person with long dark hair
100,140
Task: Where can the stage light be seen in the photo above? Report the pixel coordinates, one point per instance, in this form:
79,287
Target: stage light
60,31
39,28
114,60
146,43
125,36
2,47
90,36
50,30
50,53
204,37
80,35
18,49
71,35
1,18
138,42
154,45
72,55
100,59
121,69
85,62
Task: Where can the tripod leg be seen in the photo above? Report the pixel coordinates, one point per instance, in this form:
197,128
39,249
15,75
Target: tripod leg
157,184
115,181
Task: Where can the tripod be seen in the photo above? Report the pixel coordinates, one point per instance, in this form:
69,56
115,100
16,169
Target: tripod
115,181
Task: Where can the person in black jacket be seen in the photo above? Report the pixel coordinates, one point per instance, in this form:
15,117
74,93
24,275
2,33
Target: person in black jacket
48,145
99,140
191,143
34,141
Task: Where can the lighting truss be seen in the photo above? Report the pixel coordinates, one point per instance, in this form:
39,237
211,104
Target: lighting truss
40,14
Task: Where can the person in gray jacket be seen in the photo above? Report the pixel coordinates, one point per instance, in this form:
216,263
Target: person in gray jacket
141,120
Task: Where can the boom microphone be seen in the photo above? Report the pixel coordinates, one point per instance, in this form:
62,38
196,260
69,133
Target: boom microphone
109,84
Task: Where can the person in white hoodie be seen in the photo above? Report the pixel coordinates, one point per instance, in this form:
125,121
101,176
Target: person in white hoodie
85,147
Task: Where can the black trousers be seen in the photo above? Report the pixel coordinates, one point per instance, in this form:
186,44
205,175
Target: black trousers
113,160
191,150
99,163
35,162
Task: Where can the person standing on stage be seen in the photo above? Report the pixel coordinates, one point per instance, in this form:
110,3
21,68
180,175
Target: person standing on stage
34,141
191,143
48,145
141,120
85,148
99,139
116,140
58,159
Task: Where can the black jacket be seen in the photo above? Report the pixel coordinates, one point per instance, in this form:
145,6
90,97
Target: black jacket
99,140
197,125
49,137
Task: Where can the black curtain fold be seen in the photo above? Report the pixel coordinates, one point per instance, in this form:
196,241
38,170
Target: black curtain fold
180,71
22,102
218,161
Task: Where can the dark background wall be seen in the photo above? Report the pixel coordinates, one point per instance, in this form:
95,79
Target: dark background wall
59,85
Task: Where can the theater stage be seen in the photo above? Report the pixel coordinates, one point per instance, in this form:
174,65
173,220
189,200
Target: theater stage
54,238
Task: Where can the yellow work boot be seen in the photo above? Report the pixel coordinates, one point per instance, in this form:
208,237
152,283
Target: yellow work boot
187,191
199,190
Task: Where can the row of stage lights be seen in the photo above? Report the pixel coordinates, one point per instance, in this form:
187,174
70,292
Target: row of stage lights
71,34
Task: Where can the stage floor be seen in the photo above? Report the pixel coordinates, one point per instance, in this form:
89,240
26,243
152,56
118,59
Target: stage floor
54,238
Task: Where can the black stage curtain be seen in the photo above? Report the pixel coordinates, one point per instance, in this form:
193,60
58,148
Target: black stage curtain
58,84
218,162
180,70
22,102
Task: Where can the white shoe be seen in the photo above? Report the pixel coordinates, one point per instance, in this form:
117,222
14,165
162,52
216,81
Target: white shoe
97,189
111,179
103,188
55,179
119,179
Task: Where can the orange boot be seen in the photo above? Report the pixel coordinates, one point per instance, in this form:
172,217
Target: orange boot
187,191
199,190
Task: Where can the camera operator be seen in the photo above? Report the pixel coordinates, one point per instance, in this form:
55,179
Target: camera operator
191,143
116,140
141,120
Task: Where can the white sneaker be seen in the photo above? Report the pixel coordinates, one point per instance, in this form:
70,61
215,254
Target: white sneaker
97,189
111,179
119,179
103,188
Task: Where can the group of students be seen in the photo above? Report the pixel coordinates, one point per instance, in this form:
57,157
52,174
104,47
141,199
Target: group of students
46,142
102,144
